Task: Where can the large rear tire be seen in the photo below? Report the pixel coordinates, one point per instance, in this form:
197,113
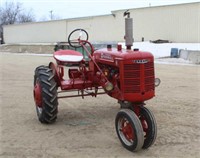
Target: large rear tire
45,95
129,130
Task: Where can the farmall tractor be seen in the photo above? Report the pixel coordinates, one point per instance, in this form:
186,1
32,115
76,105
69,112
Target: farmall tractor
124,74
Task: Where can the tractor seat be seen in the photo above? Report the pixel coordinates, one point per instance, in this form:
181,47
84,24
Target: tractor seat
65,56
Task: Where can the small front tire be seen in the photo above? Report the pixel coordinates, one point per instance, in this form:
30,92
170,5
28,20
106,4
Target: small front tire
129,130
149,126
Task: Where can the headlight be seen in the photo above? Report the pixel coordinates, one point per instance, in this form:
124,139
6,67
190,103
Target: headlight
108,86
157,82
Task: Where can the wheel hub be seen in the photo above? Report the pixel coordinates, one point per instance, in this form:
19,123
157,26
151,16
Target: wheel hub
127,130
37,95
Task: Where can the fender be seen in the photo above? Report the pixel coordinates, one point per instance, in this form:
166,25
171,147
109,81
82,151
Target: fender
58,72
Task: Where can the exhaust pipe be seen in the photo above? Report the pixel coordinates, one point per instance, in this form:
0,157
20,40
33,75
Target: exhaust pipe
128,30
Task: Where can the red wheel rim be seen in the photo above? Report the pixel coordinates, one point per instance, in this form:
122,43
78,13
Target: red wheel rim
127,130
37,94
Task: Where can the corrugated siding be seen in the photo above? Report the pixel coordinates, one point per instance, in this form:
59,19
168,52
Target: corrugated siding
177,23
45,32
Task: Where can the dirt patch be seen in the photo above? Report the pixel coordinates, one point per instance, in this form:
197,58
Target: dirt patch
85,128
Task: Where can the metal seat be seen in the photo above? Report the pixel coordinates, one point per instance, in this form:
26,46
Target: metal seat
68,56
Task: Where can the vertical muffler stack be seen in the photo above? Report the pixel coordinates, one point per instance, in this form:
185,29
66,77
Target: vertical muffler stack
128,30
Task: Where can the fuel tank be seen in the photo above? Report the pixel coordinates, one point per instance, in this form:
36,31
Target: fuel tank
112,55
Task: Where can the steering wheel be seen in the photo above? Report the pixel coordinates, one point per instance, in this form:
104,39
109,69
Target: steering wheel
75,36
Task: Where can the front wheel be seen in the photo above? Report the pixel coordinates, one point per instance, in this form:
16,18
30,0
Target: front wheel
149,126
129,130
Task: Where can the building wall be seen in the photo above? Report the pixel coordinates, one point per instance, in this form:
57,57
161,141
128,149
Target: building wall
177,23
42,32
100,28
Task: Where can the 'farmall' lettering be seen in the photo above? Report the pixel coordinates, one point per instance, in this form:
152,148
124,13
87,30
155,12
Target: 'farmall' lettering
106,56
142,61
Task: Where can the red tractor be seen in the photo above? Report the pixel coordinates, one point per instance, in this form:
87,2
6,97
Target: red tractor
125,74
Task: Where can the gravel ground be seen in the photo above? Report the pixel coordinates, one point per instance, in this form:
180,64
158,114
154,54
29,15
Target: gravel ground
85,128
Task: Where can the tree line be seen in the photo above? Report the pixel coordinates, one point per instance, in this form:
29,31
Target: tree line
13,13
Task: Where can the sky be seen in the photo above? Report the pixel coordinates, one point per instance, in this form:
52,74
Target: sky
64,9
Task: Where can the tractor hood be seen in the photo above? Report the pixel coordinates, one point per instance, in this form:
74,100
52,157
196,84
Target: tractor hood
110,55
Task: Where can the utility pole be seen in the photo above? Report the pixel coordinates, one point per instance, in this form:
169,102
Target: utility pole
51,14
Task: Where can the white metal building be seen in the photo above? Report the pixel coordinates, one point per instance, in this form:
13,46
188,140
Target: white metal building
177,23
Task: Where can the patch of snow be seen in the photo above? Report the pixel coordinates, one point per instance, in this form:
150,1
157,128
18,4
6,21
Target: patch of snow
160,51
174,61
164,49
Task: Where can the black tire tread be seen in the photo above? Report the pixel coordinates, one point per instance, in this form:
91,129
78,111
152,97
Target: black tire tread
49,94
153,133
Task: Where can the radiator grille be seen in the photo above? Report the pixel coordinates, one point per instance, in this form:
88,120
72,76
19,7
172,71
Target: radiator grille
149,76
132,77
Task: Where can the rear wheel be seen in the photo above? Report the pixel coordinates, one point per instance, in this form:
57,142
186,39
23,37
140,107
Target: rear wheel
149,126
129,130
45,95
